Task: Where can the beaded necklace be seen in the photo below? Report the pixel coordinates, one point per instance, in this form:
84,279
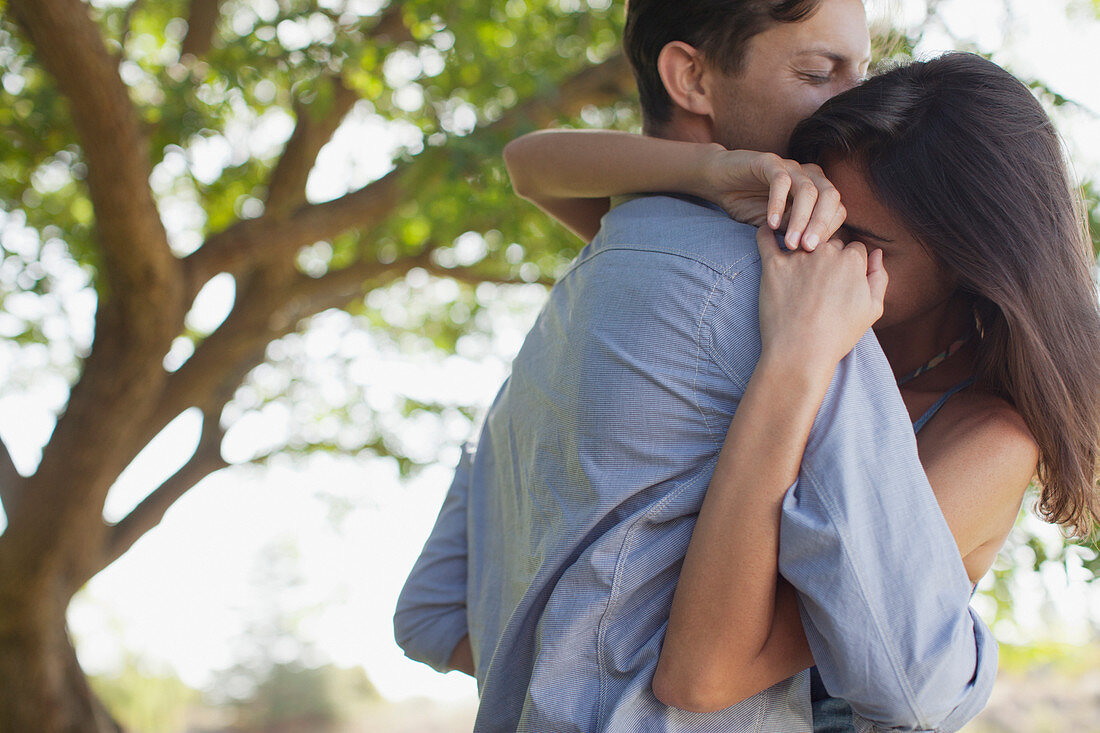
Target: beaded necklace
935,361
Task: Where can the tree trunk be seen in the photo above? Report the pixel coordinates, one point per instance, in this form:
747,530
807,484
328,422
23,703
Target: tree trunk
45,690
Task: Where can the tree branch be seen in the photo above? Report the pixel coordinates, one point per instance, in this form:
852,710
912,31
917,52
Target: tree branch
202,21
268,239
267,308
339,287
11,481
234,249
474,276
230,352
139,310
269,305
267,311
596,85
315,127
390,26
206,460
139,265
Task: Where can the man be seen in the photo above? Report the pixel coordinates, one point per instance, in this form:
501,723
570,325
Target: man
558,547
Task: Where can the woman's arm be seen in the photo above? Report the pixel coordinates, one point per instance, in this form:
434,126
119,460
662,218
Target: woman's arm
729,633
719,646
570,174
735,628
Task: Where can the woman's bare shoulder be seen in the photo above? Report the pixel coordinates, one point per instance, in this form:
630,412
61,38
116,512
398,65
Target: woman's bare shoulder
990,434
980,459
983,419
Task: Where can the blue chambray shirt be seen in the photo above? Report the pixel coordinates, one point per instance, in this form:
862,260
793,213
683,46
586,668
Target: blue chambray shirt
560,542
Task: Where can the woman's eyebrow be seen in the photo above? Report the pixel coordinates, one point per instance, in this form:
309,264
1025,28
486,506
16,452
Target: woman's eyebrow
859,233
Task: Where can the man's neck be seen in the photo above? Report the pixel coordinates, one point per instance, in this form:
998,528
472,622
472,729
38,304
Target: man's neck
686,129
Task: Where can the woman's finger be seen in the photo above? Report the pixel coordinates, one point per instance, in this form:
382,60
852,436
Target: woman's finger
854,249
825,211
877,278
805,194
838,221
767,242
779,182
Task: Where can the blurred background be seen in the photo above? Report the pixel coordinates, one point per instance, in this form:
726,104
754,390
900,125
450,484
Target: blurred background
236,365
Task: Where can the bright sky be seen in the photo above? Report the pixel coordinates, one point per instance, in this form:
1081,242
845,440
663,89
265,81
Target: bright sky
181,598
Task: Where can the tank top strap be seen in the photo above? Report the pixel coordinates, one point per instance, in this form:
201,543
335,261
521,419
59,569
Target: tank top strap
923,419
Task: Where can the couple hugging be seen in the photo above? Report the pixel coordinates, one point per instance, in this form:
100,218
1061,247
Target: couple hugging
746,481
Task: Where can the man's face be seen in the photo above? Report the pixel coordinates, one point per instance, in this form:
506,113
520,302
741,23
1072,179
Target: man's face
789,71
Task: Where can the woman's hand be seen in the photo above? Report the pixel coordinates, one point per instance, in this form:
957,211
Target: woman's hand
755,188
815,306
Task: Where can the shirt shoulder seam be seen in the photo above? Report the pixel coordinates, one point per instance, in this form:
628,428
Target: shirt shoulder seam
699,350
726,271
704,341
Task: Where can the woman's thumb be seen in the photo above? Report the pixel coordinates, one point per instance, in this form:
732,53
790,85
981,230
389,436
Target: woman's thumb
877,277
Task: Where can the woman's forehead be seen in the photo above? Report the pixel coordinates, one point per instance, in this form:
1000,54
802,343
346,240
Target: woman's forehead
867,216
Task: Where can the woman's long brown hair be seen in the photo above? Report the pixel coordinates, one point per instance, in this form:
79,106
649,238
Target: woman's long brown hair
967,159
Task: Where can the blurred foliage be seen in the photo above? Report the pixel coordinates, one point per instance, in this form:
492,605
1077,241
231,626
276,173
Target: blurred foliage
289,696
432,75
144,702
1092,205
310,698
279,679
435,82
1067,659
1037,552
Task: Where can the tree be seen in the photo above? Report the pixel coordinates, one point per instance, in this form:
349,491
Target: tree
109,111
106,94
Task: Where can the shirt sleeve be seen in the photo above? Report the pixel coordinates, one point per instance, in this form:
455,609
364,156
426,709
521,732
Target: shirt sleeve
430,618
883,592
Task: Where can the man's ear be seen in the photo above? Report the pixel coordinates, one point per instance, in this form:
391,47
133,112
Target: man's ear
681,70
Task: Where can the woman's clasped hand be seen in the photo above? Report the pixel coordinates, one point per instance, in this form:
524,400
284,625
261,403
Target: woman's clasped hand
815,306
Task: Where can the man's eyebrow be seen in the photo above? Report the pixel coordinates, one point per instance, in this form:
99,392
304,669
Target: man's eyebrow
833,56
865,234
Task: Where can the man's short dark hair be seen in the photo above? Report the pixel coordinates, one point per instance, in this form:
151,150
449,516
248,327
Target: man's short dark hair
719,29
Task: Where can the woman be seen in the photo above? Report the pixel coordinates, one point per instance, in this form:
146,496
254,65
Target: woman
953,180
